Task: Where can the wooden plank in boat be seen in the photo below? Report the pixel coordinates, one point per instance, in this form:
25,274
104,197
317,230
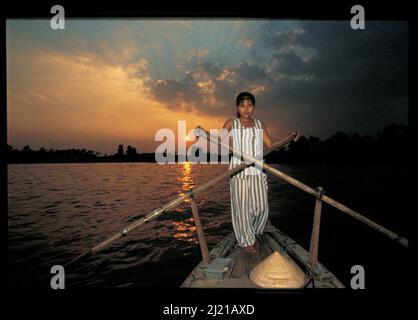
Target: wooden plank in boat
254,258
269,227
223,248
265,250
225,283
233,256
240,269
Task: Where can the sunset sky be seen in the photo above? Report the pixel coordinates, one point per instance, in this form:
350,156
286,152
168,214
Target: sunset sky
103,82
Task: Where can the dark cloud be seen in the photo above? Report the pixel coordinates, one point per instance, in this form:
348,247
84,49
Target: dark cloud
209,89
357,76
321,76
251,73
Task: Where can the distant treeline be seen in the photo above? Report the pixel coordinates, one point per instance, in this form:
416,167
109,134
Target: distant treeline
391,145
27,155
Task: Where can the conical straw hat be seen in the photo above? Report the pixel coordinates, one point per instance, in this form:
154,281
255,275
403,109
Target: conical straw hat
277,271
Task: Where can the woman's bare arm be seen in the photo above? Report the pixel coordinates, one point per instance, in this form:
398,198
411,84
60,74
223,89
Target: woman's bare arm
267,140
266,137
225,133
228,125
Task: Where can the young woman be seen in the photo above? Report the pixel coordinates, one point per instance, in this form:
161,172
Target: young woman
249,199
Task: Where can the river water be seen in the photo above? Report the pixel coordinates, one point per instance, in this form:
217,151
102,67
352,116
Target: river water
57,211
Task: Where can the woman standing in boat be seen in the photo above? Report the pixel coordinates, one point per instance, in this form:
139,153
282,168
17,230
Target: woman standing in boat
249,188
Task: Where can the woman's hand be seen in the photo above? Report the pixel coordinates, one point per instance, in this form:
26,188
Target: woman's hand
295,137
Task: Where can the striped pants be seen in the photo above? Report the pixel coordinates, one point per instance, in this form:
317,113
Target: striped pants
249,207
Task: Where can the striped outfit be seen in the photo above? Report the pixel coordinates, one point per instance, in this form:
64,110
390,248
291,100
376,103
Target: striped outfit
249,200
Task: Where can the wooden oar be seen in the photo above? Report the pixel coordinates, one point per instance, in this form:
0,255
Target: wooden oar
292,137
392,235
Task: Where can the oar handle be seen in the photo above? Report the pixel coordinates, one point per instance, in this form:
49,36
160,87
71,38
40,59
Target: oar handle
294,136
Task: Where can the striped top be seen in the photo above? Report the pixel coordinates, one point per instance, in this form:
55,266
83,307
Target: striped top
248,140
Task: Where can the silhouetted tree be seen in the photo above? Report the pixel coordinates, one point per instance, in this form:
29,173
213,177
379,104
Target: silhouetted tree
392,143
26,149
130,151
120,150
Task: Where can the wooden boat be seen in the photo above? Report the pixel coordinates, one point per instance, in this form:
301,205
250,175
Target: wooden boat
241,263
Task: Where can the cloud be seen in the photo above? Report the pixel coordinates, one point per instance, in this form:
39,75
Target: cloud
59,100
316,73
83,97
361,71
210,89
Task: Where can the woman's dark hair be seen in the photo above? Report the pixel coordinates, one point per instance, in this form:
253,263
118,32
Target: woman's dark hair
243,96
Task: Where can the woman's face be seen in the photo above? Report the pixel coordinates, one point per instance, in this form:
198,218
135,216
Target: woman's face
246,108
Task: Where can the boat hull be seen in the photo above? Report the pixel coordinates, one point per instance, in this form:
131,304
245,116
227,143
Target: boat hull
242,263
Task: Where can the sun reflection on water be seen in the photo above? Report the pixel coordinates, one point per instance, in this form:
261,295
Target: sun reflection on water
185,230
186,180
